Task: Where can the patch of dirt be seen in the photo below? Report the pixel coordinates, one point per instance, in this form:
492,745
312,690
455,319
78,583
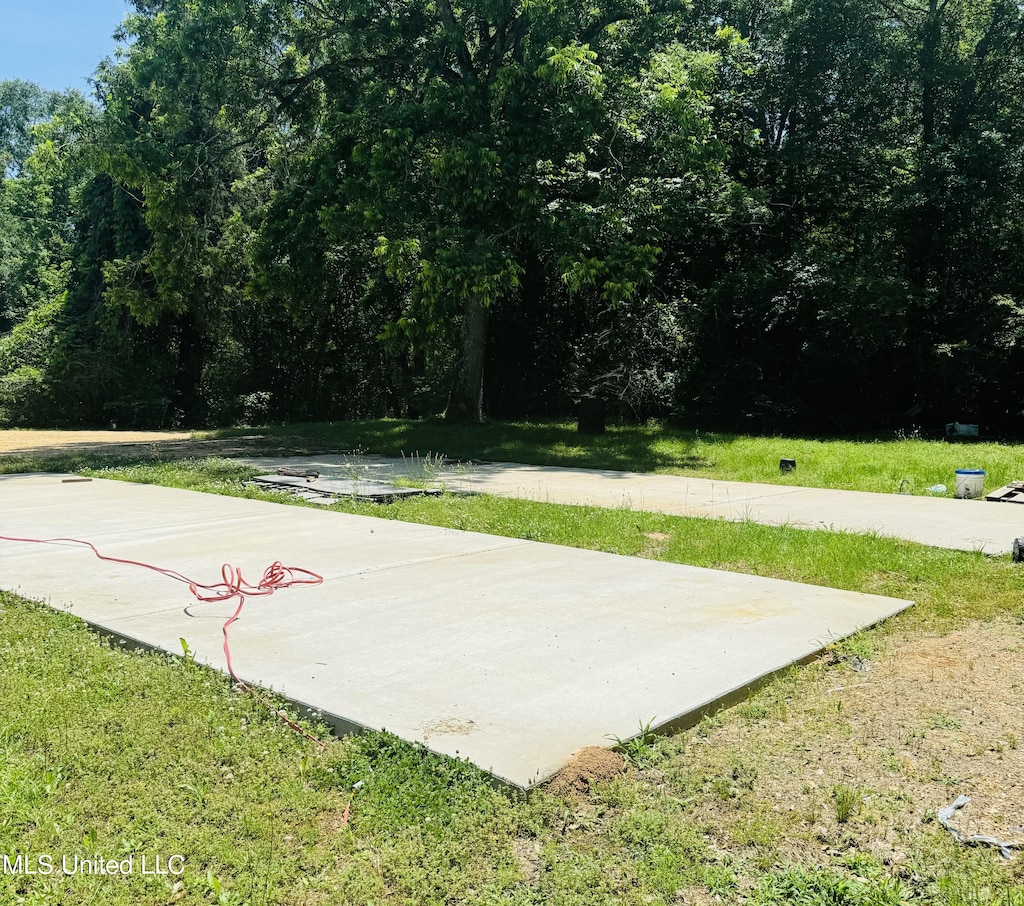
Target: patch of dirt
448,726
903,733
528,857
588,766
159,444
653,545
336,820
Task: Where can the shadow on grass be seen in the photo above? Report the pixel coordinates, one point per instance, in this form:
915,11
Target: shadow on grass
21,464
636,448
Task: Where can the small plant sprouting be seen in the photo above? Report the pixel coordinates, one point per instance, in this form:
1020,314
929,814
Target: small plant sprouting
52,780
846,801
188,656
857,648
216,889
708,723
637,750
939,721
197,790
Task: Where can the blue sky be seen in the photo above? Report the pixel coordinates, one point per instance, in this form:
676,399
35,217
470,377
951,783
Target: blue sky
57,43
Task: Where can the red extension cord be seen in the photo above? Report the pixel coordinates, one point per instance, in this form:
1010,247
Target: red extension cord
233,585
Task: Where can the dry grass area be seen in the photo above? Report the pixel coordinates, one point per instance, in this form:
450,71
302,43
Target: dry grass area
42,443
859,753
157,444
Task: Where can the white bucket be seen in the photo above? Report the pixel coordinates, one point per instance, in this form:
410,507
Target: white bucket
970,483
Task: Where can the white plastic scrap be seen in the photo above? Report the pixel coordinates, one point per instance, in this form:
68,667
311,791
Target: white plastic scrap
1006,848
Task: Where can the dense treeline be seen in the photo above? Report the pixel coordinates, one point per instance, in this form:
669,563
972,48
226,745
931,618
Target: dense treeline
800,214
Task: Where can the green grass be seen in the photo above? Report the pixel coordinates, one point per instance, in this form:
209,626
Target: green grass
121,754
875,464
108,751
948,586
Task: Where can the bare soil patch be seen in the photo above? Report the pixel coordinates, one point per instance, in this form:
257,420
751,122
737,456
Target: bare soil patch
867,752
590,765
158,444
39,443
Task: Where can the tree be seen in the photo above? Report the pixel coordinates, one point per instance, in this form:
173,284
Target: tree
473,139
184,114
43,137
889,165
959,216
22,105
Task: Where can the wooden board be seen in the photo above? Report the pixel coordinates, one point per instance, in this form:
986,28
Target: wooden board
1009,493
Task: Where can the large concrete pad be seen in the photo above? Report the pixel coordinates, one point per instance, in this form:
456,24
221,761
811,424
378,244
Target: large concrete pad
513,654
970,525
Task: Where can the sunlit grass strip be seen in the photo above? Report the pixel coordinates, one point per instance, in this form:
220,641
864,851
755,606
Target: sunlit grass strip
882,465
947,585
875,464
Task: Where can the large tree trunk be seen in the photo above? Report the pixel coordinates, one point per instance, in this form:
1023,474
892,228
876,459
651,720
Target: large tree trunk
466,400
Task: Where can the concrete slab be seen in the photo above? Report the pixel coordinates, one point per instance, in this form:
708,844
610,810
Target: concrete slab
970,525
513,654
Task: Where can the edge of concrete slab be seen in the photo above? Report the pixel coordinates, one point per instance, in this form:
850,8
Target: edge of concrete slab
690,718
931,521
342,726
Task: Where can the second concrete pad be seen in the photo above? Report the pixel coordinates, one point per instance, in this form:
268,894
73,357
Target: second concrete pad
968,525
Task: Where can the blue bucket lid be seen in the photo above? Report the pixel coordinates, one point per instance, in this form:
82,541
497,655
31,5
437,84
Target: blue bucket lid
970,471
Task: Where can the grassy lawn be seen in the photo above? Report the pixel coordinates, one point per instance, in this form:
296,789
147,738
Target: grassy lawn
821,788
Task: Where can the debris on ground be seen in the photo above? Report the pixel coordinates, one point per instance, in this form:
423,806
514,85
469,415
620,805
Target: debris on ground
1008,493
1005,847
588,766
308,485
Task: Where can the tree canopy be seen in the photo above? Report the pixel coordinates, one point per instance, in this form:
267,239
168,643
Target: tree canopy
743,213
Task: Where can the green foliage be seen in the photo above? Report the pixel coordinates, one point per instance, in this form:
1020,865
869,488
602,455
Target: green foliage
638,749
801,886
703,211
22,105
122,753
886,162
399,782
181,132
464,177
22,396
964,890
25,398
44,132
846,802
